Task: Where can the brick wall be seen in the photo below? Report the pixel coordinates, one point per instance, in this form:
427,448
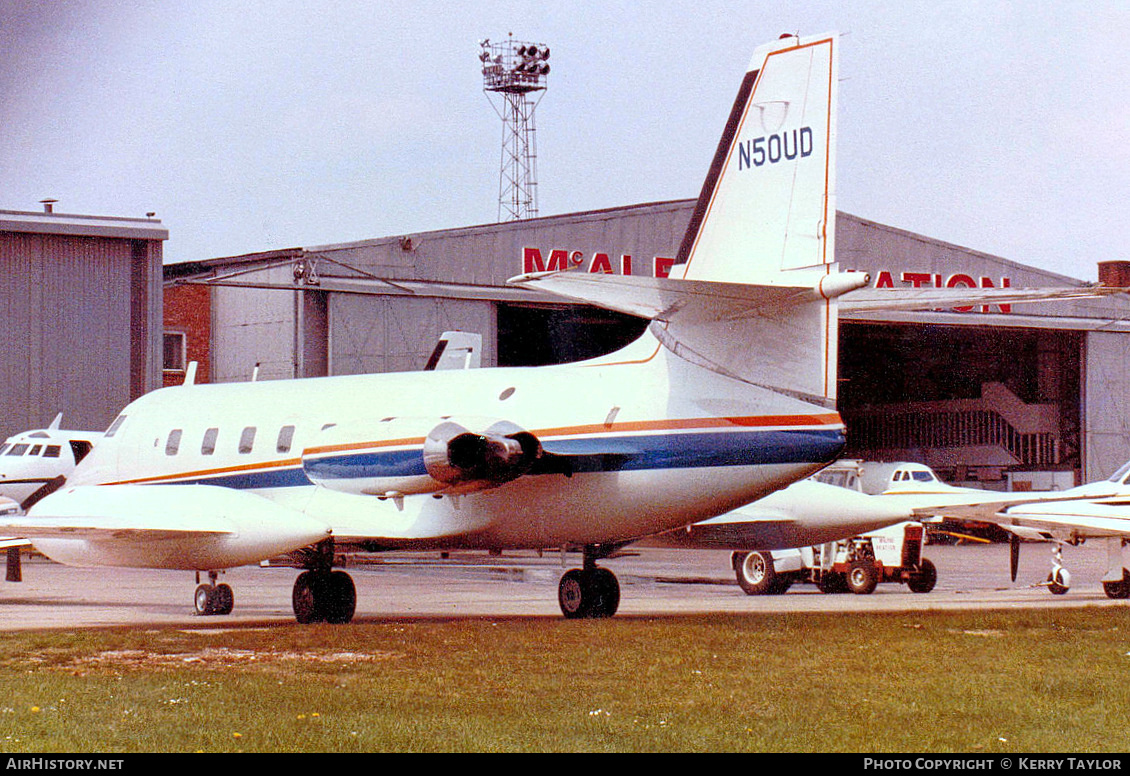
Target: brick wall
188,310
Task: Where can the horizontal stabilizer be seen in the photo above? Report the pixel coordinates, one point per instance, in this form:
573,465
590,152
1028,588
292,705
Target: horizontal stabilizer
663,298
943,298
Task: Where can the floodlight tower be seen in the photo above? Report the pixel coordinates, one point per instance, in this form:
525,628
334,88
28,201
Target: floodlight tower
516,71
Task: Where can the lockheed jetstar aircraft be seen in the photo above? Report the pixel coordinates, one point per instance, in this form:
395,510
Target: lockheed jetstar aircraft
728,396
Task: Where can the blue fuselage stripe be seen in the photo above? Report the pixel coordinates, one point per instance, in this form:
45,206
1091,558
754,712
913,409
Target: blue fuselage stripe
627,453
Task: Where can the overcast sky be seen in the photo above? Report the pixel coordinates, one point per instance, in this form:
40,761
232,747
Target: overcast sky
261,124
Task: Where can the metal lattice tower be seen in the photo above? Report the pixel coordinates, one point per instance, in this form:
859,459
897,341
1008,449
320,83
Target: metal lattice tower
516,71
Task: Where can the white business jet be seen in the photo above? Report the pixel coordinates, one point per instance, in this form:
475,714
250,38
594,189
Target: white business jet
728,396
1098,511
32,460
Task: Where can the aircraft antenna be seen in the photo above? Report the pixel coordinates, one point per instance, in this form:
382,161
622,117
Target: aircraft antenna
517,73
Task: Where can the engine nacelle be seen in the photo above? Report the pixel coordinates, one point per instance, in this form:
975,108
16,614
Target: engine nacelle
393,458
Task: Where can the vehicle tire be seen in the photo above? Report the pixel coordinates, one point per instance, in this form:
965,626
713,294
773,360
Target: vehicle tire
1120,589
832,582
863,577
923,578
1059,581
782,584
756,575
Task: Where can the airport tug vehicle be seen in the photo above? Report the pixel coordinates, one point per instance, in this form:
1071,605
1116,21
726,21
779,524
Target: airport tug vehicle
857,564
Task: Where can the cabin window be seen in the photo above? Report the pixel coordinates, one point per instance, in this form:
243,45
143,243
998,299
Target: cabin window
208,446
113,429
52,451
247,440
172,444
18,449
286,439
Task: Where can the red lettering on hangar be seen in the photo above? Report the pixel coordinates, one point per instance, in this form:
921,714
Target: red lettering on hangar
885,279
533,260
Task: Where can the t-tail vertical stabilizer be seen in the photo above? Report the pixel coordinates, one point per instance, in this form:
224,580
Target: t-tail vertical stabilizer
751,293
766,217
767,205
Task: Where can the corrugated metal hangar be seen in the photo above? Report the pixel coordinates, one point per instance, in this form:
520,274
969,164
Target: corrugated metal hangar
1033,396
1028,397
81,301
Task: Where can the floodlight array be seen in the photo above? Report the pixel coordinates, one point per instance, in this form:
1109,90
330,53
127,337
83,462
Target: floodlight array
514,66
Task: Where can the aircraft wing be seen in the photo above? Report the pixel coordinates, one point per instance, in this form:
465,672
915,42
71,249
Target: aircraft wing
13,542
162,526
119,527
1069,520
803,514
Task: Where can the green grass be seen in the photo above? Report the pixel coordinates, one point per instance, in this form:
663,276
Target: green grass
1033,681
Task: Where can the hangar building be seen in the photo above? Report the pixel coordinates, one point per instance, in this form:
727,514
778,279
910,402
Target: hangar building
81,300
1028,397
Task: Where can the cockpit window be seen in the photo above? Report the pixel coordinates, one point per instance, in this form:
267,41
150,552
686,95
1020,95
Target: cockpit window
35,450
3,447
52,451
18,449
113,429
923,476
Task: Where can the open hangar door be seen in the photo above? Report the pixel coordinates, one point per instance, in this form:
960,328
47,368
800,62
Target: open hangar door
541,334
995,407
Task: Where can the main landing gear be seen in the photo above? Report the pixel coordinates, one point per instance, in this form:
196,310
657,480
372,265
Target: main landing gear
321,594
211,598
590,591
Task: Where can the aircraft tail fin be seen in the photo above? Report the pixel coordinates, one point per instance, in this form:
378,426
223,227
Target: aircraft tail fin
768,203
751,293
766,217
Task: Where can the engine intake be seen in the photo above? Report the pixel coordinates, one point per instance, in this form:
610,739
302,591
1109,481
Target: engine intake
397,457
501,453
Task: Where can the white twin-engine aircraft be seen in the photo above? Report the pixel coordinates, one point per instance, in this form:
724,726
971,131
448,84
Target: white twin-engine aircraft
728,396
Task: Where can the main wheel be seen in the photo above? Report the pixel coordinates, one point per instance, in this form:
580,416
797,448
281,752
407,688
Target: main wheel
304,598
755,573
203,600
340,600
923,578
588,593
223,599
1120,589
863,577
324,597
